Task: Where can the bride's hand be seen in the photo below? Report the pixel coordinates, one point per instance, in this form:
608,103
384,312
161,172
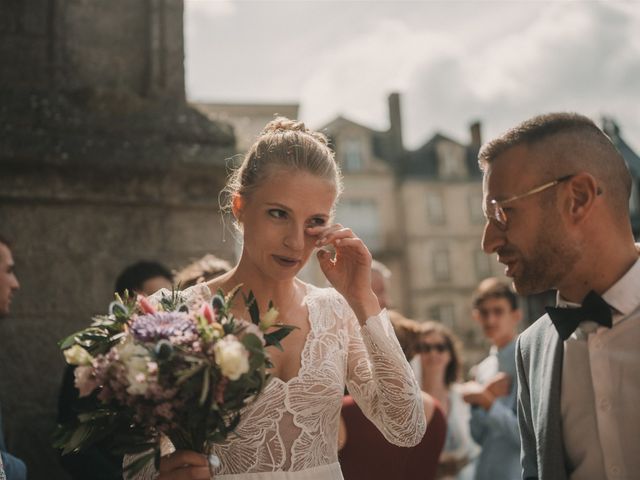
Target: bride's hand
350,271
184,465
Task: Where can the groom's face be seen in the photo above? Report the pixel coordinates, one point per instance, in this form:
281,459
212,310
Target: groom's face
8,281
534,245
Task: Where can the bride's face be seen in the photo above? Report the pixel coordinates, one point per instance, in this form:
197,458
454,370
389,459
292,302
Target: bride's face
275,217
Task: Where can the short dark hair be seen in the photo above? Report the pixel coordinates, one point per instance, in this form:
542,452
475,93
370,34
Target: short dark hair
494,288
133,277
453,372
577,144
5,241
535,130
405,330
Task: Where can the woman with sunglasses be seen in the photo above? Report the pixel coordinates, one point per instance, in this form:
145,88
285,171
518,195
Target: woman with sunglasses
438,366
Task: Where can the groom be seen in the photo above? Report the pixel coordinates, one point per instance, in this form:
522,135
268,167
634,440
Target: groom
14,468
556,196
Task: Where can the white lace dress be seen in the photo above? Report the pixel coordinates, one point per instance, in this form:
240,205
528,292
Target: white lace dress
291,430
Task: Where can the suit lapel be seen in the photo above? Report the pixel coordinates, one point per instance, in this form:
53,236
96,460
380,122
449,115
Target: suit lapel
550,414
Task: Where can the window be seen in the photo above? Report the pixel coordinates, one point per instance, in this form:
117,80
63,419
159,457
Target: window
476,215
482,262
362,216
441,265
352,155
451,160
435,208
443,313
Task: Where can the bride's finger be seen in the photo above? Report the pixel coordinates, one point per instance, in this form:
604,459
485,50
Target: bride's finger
354,246
331,237
182,458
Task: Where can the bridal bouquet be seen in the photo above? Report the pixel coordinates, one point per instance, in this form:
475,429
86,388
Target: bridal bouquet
181,367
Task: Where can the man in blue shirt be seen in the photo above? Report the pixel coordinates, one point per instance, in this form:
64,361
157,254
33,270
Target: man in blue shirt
14,468
493,394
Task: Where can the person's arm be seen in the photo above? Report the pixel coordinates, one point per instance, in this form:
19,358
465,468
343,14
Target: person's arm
478,424
528,455
14,468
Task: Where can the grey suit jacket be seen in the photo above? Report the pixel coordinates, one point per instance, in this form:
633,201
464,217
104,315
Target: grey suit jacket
539,352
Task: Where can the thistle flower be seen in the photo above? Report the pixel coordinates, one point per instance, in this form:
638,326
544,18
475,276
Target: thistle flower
174,326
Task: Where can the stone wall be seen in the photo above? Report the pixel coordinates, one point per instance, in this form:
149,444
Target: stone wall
102,163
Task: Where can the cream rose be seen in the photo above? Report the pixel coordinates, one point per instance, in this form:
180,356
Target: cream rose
231,357
77,355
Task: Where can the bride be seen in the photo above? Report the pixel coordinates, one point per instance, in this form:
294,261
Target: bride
282,197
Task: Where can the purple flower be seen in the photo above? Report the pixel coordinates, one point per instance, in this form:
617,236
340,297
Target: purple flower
174,326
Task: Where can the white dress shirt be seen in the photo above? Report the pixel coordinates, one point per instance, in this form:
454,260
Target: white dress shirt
600,397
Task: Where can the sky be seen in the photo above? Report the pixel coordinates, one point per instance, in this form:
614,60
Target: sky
452,61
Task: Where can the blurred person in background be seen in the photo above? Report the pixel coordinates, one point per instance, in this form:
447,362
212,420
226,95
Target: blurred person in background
493,393
97,462
438,367
366,454
380,283
204,269
11,467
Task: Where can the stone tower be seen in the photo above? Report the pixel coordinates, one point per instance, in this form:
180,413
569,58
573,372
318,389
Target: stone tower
102,163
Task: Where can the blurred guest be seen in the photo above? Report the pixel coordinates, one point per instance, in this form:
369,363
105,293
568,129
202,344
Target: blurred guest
493,393
202,270
380,279
438,368
366,454
97,462
14,468
556,196
144,278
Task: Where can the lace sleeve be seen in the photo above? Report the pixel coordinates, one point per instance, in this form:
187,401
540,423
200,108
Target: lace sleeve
381,380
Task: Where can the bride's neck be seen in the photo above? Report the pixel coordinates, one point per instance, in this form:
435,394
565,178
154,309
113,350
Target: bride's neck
265,290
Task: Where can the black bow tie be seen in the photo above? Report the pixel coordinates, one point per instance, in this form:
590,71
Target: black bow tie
593,308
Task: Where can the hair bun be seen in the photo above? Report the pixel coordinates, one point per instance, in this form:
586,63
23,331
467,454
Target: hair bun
284,124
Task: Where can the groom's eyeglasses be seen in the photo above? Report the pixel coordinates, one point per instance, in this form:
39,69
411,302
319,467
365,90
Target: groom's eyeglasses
493,209
428,347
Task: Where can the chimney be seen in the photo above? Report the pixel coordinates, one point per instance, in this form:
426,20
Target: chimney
476,135
395,124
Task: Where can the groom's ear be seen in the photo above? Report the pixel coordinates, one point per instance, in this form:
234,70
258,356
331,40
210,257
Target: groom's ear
237,205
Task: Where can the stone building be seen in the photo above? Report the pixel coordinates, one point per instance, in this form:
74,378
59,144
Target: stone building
247,119
102,163
441,192
369,202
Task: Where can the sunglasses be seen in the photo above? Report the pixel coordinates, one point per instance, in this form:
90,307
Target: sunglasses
428,347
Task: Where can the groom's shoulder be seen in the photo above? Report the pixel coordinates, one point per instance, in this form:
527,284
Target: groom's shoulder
535,334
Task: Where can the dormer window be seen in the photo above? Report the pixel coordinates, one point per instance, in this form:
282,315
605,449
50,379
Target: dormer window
352,155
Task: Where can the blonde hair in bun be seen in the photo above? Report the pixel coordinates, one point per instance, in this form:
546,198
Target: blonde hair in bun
283,144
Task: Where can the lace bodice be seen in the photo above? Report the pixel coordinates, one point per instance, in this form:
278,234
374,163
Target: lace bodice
293,425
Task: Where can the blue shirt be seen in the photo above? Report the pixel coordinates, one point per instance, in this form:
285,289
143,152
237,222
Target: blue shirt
496,430
14,468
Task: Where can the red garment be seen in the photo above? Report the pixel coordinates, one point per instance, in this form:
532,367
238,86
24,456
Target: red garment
367,455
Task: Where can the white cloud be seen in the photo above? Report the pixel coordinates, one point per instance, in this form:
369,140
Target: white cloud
355,79
454,62
571,56
209,8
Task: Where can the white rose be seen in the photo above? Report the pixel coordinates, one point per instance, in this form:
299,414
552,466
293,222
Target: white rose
77,355
231,357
